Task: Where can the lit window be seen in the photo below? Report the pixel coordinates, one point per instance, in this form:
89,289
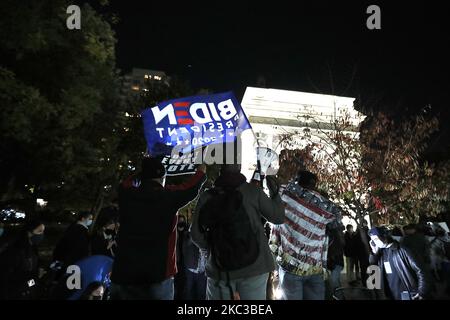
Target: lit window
145,90
157,77
146,76
135,88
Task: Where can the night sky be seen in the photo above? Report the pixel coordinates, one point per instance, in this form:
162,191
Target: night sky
312,46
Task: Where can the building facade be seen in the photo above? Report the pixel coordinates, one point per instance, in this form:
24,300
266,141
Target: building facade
140,80
277,114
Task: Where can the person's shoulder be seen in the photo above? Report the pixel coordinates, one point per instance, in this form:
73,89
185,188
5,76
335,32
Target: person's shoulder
77,228
205,195
250,191
405,252
249,187
400,247
70,229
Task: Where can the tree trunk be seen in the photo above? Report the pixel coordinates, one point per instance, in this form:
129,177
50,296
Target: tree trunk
97,205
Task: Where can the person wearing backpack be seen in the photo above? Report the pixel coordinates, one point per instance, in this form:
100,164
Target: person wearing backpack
227,223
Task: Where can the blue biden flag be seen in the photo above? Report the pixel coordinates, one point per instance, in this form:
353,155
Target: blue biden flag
193,122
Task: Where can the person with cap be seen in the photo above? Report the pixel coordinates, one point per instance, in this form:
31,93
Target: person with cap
404,274
250,281
145,263
19,264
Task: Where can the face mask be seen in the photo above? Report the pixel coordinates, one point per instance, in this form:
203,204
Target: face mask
1,231
36,238
88,222
96,297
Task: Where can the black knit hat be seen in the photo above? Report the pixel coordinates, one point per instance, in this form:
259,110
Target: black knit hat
152,168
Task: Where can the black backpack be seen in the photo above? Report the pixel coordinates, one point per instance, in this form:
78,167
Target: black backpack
229,233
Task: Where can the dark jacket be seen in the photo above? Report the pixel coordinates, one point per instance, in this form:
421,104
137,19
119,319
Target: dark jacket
73,246
412,271
418,244
257,204
362,246
18,266
146,240
99,246
350,245
335,255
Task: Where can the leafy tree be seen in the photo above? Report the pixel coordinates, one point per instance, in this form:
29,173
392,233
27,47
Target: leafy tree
333,152
382,174
60,108
404,186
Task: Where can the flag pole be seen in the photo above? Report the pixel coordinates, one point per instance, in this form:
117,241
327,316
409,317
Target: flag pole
258,162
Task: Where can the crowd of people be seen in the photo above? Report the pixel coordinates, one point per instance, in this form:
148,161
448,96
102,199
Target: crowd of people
239,243
24,277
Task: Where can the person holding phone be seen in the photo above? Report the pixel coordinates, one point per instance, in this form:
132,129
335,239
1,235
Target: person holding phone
404,275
